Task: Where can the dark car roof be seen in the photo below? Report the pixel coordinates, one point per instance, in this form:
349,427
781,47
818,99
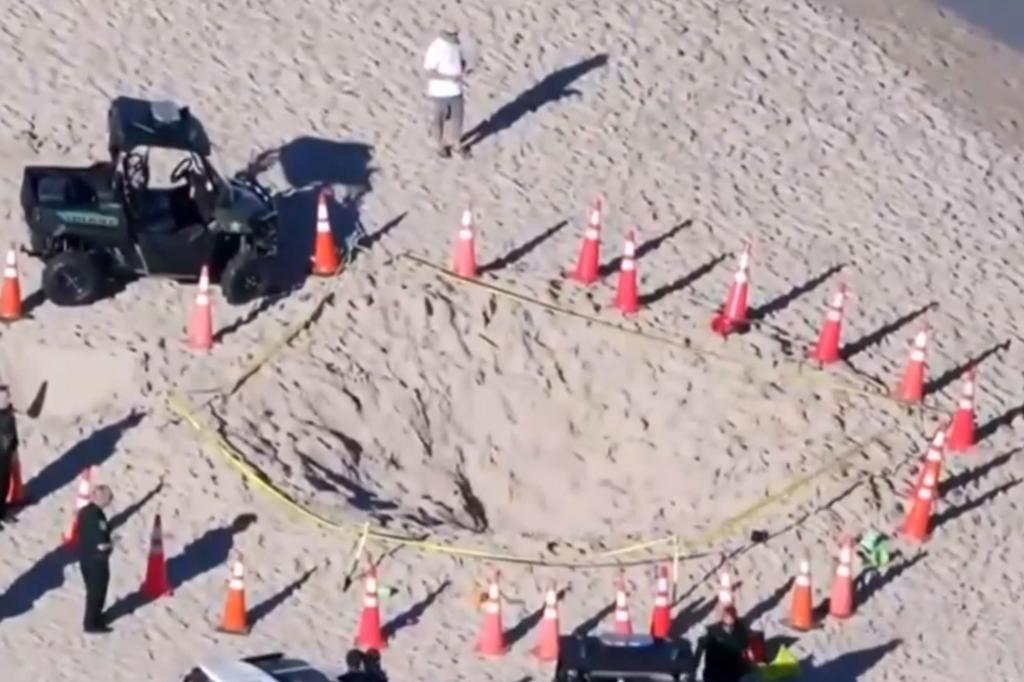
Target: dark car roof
629,658
133,123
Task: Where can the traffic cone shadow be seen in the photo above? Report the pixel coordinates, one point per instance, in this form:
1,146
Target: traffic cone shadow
690,616
686,280
264,304
783,301
50,571
870,582
265,607
988,429
32,302
93,450
644,248
383,231
591,624
955,512
855,348
974,474
769,603
523,250
412,615
954,373
211,550
521,629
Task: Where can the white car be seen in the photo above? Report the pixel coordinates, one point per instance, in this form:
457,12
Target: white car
265,668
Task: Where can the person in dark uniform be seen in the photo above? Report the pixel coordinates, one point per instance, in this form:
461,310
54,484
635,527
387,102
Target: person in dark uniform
354,662
372,666
8,448
95,546
723,648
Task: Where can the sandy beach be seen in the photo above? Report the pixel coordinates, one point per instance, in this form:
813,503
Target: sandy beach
851,143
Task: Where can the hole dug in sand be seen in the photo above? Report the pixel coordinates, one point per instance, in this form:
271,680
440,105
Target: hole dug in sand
420,418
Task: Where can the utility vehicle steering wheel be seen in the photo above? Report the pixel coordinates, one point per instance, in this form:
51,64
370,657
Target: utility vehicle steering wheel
136,171
183,170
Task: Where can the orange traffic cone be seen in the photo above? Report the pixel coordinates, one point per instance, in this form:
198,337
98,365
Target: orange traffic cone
235,620
326,261
369,635
626,299
961,431
660,616
492,635
464,264
10,295
933,459
911,388
826,351
732,317
623,623
16,491
840,603
800,609
81,500
726,594
200,328
917,526
156,584
547,638
587,265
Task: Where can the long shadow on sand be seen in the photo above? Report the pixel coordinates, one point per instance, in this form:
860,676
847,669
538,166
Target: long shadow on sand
855,348
93,450
955,512
523,250
868,583
554,87
267,606
649,246
949,376
974,474
847,667
48,572
679,284
210,550
412,615
780,303
690,616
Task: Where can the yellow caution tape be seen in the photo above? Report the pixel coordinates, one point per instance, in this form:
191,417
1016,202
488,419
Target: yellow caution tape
814,380
273,349
606,559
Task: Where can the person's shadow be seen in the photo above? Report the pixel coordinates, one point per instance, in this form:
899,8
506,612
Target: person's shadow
554,87
48,572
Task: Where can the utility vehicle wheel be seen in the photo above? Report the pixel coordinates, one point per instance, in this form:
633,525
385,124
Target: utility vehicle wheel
72,278
246,278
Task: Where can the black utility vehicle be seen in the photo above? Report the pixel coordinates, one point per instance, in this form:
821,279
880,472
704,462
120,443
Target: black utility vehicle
95,225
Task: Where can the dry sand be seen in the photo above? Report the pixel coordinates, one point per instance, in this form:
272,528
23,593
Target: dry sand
428,406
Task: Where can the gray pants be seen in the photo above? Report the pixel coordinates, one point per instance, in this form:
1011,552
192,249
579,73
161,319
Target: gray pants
447,110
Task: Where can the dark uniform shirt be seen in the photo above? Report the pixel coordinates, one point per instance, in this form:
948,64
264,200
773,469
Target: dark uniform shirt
723,653
8,433
93,533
